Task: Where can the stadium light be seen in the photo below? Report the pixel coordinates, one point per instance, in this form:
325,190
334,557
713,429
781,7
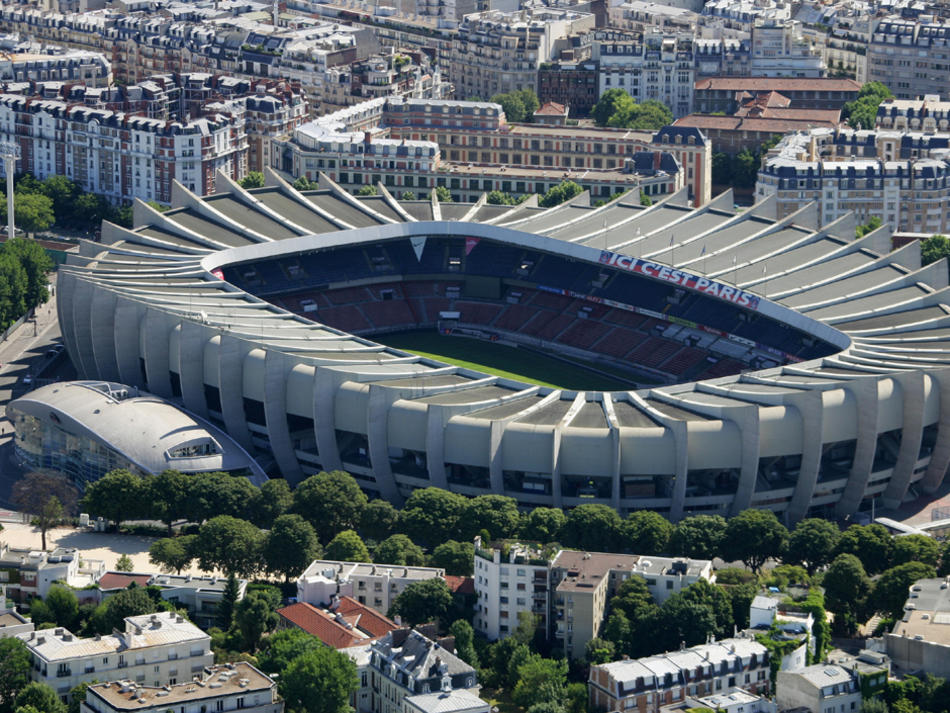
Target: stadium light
9,152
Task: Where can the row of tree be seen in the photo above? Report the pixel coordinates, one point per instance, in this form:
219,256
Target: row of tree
60,201
24,267
616,108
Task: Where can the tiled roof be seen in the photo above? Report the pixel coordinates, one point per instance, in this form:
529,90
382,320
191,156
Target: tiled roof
121,580
552,109
777,84
320,624
460,585
365,618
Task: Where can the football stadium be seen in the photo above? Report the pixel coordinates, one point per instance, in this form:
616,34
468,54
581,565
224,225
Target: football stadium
686,360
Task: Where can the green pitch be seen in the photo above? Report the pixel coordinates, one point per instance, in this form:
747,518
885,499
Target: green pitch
511,362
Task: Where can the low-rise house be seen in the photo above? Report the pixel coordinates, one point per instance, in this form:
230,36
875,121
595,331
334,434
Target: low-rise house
154,649
819,689
344,624
734,700
771,616
11,622
30,573
224,688
375,585
455,701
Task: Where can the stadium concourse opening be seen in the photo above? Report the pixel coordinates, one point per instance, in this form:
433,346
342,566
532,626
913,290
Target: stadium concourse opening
529,315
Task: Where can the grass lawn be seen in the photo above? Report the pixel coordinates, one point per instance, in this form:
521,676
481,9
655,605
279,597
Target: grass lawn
511,362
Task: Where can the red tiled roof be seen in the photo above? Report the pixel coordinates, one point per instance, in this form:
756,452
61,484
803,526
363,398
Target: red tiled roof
460,585
320,624
365,618
778,84
552,108
121,580
775,125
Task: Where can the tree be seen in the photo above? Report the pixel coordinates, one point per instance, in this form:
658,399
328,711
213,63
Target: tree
77,695
716,600
721,169
540,680
124,564
272,500
172,554
62,605
217,493
305,184
13,289
499,198
543,524
253,179
464,641
129,602
812,543
378,520
645,200
118,495
32,212
512,104
399,549
224,615
332,502
556,195
862,112
169,493
934,248
407,196
608,104
290,546
41,697
698,536
432,515
15,667
647,116
497,514
683,620
283,646
47,497
422,601
915,548
456,558
598,651
63,193
869,543
890,590
367,190
530,100
754,536
591,527
319,681
846,585
253,616
647,532
443,194
347,547
873,224
37,264
229,544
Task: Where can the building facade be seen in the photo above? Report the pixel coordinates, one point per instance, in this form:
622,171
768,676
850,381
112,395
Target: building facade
910,56
726,94
375,585
818,689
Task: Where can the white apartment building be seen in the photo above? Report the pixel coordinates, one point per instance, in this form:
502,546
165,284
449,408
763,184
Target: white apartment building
223,689
779,49
154,649
822,688
90,68
26,573
506,584
375,585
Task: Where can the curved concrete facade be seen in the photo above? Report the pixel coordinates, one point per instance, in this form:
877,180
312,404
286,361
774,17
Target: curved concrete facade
870,419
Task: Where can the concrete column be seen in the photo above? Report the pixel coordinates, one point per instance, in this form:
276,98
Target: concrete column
680,430
436,418
83,358
865,393
231,355
912,391
809,406
556,466
191,365
614,425
940,458
158,326
747,420
381,399
65,286
326,382
103,333
496,472
276,366
128,314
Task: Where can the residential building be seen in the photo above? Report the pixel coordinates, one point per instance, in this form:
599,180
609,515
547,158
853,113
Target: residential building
223,688
509,579
726,94
90,68
928,114
375,585
154,649
571,83
770,613
900,177
779,49
200,595
343,624
920,640
27,573
454,701
910,55
648,684
640,16
734,700
551,114
11,622
872,668
819,688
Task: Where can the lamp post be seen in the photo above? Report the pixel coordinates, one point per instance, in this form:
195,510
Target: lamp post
9,152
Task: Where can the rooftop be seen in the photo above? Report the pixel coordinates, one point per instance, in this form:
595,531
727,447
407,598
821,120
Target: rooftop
453,701
778,84
586,570
339,571
346,623
927,612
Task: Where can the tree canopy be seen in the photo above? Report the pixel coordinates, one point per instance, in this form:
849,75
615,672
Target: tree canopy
253,179
422,601
754,536
229,544
320,680
518,105
563,191
399,549
812,543
618,109
289,546
331,502
347,546
934,248
862,112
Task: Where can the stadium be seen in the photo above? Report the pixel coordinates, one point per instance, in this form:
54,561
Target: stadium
686,360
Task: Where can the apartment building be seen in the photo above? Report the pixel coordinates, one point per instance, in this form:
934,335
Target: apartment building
900,177
223,688
819,688
26,574
508,581
375,585
11,622
928,114
495,52
648,684
154,649
726,94
910,56
780,49
91,68
575,84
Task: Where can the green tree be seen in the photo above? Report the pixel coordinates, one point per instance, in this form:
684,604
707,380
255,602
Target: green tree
15,667
422,601
556,195
530,101
13,289
648,116
63,193
283,646
37,264
540,680
456,558
229,544
253,179
46,497
869,543
443,194
543,524
934,248
378,520
32,212
716,600
890,589
862,112
512,104
754,536
500,198
407,196
598,651
129,602
224,614
118,495
873,224
608,104
217,493
319,681
290,546
399,549
721,169
497,514
40,697
464,641
347,546
168,493
698,536
812,543
77,695
254,616
745,168
124,564
646,532
172,554
683,620
846,586
645,200
305,184
367,190
63,606
432,515
915,548
272,500
591,527
332,502
740,597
